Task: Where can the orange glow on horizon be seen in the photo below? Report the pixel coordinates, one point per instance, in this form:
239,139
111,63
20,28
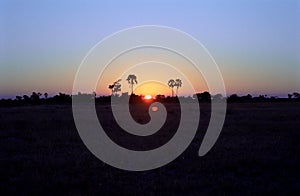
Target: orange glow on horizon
148,97
151,89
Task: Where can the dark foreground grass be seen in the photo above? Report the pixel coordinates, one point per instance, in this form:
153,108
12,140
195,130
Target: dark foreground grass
258,152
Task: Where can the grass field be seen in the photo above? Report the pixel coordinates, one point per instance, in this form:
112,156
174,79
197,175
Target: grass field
258,152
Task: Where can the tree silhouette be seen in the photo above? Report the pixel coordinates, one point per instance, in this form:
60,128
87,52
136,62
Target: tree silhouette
19,98
178,84
132,80
218,97
35,96
46,95
115,87
296,95
26,98
233,98
171,84
203,97
111,87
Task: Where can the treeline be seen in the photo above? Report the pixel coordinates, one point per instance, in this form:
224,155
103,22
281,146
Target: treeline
37,98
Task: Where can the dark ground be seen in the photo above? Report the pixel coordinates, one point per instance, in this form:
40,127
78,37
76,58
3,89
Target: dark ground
258,152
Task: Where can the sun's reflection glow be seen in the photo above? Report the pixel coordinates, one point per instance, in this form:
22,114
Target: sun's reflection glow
154,108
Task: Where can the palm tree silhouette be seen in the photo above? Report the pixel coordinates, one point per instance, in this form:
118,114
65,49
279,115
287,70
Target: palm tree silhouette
171,84
178,84
132,81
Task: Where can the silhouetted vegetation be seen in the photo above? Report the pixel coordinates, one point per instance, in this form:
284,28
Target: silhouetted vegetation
171,84
115,87
256,153
132,80
43,141
205,97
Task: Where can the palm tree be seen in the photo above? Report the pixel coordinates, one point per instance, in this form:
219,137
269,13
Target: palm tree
178,84
132,81
171,84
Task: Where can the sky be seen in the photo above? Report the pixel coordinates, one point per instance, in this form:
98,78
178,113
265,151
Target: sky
255,43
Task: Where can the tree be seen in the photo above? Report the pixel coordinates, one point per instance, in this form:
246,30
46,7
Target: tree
160,97
178,84
19,98
296,95
35,96
205,96
111,87
171,84
46,95
26,98
233,98
132,80
218,97
115,87
248,97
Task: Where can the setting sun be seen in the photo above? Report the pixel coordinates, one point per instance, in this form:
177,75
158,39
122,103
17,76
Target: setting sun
148,97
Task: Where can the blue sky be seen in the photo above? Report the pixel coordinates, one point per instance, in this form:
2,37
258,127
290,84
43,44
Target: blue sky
255,43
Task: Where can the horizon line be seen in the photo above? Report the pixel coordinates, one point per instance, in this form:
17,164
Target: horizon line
278,95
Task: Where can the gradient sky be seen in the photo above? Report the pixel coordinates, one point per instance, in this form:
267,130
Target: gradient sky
255,42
